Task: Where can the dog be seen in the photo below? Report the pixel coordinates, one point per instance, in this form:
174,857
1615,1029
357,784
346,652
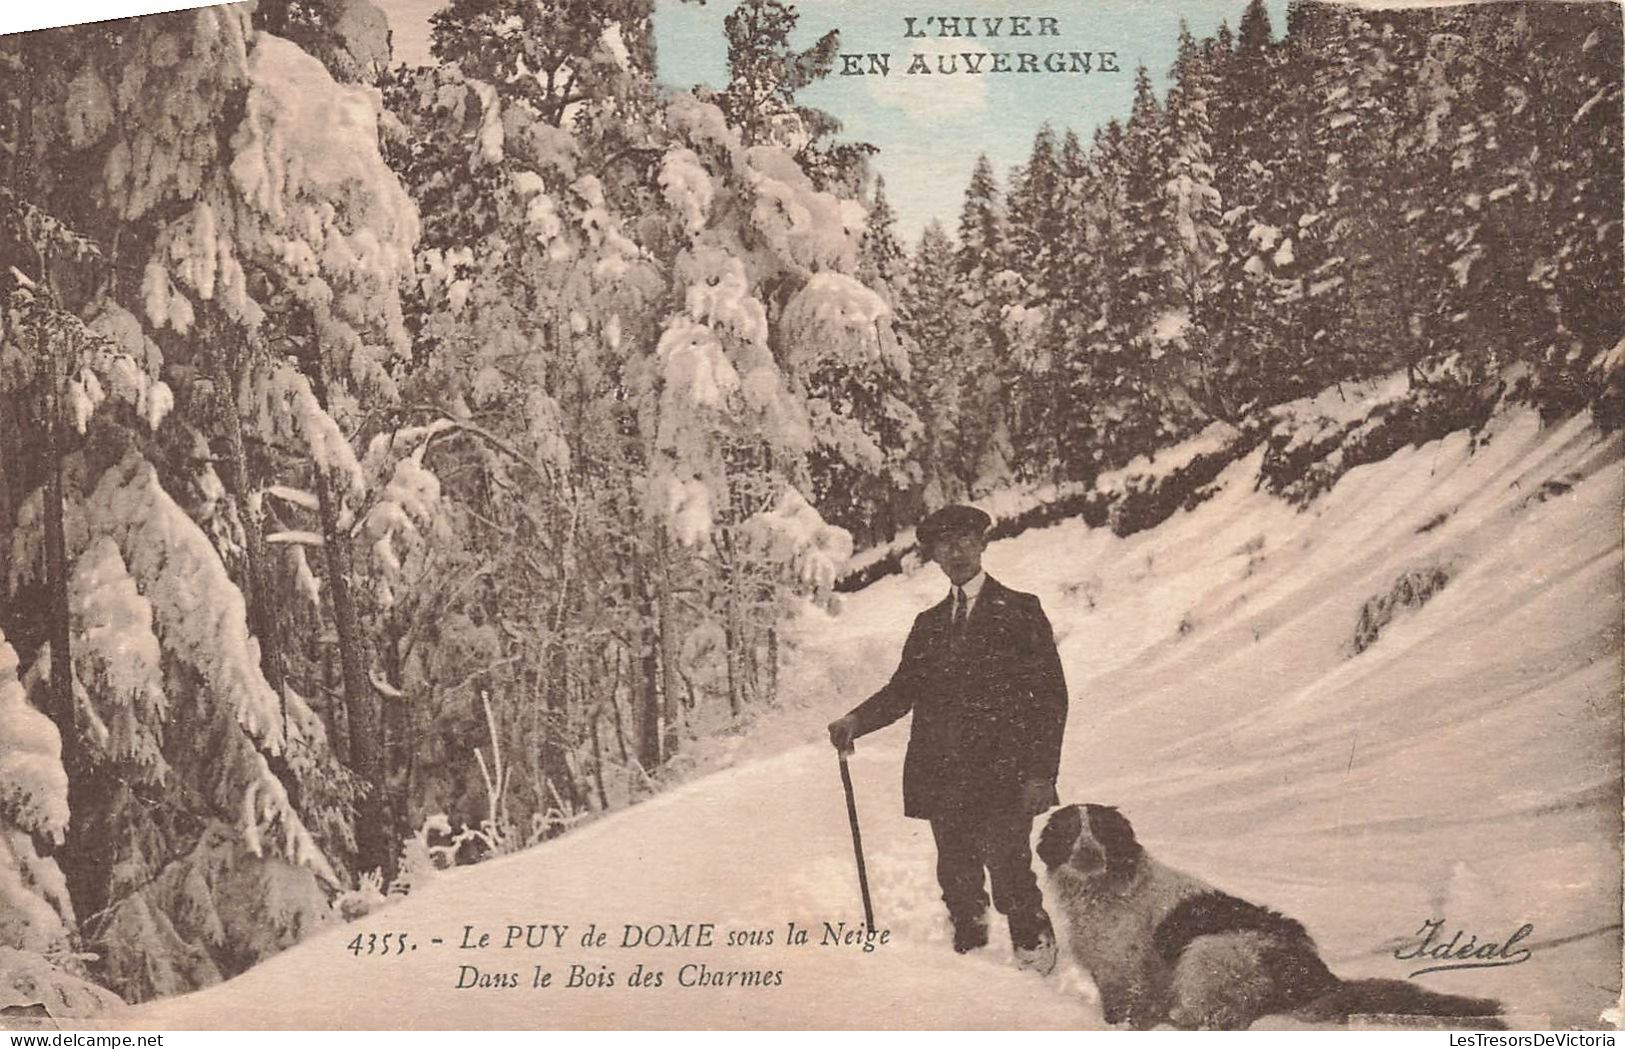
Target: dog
1164,947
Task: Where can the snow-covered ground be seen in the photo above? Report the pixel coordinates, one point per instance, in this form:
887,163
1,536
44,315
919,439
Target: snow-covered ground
1465,766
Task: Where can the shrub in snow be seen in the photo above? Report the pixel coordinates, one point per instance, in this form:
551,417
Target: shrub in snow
33,986
207,915
1307,450
366,897
792,534
170,687
36,915
1413,589
1149,490
35,912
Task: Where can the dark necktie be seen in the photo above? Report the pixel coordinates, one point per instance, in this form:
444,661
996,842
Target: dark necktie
961,614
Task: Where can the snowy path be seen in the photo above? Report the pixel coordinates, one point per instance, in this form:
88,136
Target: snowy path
771,847
1467,766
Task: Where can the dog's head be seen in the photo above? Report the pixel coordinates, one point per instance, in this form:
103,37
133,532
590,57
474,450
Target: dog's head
1091,840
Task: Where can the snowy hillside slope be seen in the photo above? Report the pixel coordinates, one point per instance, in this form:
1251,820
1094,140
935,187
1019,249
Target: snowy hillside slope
1465,765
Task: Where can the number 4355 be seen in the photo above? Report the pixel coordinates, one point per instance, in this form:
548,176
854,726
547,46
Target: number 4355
373,943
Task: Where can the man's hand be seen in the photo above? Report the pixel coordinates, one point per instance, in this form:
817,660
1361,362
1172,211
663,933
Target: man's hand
842,731
1035,795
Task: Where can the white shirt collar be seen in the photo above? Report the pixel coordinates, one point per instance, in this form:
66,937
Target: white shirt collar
973,588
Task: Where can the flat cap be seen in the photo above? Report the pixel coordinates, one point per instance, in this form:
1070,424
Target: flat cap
954,519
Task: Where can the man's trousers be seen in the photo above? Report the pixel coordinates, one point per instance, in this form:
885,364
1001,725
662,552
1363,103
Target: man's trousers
1000,845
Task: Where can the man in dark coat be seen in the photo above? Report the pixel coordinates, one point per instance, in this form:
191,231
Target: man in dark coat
982,677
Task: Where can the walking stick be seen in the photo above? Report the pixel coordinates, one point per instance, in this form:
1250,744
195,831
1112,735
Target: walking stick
857,840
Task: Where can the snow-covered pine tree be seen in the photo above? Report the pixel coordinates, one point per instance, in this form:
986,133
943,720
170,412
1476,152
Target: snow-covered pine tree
590,301
275,223
985,287
727,410
1525,206
765,73
1144,292
938,378
881,258
1240,112
1080,299
1195,243
37,967
867,489
1037,219
1093,351
532,302
1363,200
1139,364
1266,331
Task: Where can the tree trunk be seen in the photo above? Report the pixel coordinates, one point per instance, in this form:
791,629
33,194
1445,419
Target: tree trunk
263,621
620,723
556,688
332,683
649,722
668,645
773,662
85,857
56,558
264,618
598,762
8,450
397,727
372,833
733,630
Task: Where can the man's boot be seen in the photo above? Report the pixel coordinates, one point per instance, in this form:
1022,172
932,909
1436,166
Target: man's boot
969,933
1033,943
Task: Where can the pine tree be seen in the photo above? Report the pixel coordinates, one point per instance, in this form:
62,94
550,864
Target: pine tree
1240,112
1036,220
1080,299
869,500
1145,154
36,914
984,284
553,56
881,261
765,74
1141,363
937,370
35,911
1094,378
1196,243
1253,33
1036,230
1364,206
980,252
672,392
217,258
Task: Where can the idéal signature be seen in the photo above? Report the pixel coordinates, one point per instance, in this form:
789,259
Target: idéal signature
1454,954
